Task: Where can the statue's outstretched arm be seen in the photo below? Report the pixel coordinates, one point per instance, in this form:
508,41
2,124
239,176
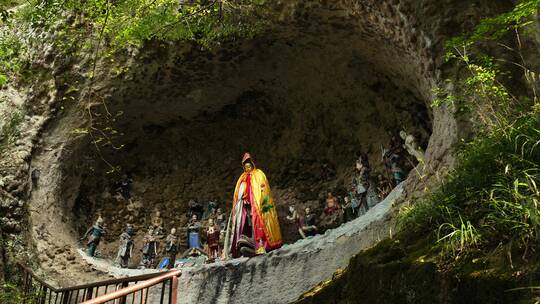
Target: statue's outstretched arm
87,233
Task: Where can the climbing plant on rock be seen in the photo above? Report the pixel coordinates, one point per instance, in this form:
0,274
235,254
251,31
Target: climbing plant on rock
492,195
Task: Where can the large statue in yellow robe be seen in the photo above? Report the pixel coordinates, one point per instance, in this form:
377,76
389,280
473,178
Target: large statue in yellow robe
253,226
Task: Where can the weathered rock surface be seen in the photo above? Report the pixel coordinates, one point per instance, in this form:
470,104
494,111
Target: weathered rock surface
331,78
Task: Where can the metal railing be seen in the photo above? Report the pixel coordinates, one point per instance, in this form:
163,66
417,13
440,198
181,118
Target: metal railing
143,289
43,293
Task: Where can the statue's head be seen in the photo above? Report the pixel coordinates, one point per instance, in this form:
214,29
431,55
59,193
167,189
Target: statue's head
99,221
247,162
248,166
173,230
402,134
129,229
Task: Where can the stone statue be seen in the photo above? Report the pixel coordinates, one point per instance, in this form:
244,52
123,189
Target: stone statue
356,201
157,222
332,204
412,146
397,173
94,235
194,226
308,224
171,247
349,212
372,198
149,249
125,250
332,215
254,225
221,219
295,219
384,187
210,211
212,239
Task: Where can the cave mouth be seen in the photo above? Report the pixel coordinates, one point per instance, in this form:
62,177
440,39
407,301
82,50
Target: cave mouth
295,110
312,93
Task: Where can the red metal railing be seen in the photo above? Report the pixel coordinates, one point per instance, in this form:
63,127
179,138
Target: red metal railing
141,287
41,292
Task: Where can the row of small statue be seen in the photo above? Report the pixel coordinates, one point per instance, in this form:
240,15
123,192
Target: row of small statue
150,249
363,193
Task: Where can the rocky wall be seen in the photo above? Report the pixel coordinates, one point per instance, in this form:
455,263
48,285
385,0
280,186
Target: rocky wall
337,57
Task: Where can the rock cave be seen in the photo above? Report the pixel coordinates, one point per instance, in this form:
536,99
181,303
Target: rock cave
328,82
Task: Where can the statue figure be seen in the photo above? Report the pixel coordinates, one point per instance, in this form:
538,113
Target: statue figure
221,220
295,218
126,247
210,211
389,156
94,235
349,211
384,187
150,248
332,204
212,239
171,247
195,208
308,224
360,183
156,222
412,146
397,173
253,226
372,198
363,169
194,226
332,215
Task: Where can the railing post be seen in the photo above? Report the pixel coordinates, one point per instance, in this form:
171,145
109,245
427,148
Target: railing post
123,300
174,288
89,293
67,295
43,295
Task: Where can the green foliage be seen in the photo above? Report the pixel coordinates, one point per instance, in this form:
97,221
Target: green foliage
9,131
133,22
482,93
12,57
494,28
101,28
491,197
457,236
11,294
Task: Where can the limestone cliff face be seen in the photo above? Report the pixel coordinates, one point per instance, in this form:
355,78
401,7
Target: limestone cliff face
328,80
